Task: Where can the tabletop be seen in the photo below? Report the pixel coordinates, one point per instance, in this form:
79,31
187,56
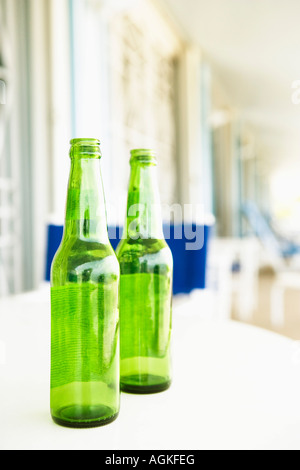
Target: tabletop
234,387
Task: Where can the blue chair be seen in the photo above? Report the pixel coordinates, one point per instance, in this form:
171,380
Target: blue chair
264,231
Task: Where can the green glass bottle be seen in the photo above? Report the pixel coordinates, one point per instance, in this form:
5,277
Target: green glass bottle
85,274
146,284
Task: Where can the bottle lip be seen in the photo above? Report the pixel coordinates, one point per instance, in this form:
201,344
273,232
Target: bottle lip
85,141
85,148
143,155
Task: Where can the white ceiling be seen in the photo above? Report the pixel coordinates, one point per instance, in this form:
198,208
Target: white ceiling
254,49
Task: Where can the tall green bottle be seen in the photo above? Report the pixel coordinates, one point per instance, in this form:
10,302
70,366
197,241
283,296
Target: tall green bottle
146,284
85,384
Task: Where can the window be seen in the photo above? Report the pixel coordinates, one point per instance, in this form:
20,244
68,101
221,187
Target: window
11,249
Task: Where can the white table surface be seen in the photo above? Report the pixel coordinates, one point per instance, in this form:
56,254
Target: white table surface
234,387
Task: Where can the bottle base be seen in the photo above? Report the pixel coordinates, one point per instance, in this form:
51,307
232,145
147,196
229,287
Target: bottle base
77,416
146,384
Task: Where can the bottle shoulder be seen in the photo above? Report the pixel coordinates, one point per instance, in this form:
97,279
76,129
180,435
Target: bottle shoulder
147,245
145,256
78,260
72,245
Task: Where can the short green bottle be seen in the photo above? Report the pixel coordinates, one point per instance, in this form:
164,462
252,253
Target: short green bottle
146,265
85,274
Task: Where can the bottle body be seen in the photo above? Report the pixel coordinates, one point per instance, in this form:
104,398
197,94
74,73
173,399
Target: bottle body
146,266
145,317
84,308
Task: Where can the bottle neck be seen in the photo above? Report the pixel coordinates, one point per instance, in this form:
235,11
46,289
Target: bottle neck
85,212
144,220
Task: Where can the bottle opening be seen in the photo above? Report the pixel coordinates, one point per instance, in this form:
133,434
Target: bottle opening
144,156
85,148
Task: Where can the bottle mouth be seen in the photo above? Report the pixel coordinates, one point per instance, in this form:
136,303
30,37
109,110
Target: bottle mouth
143,156
85,148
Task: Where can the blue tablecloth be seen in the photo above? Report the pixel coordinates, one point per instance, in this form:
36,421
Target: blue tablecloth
190,266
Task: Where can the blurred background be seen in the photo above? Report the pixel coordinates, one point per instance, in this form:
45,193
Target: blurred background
212,85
